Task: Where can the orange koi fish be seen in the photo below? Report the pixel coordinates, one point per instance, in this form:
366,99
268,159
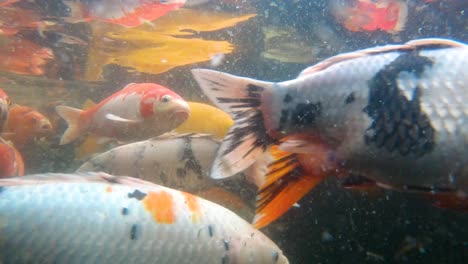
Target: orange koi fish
11,161
138,111
24,57
24,124
366,15
97,217
4,108
128,13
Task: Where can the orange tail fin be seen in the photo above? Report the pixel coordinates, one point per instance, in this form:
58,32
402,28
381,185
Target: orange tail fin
286,182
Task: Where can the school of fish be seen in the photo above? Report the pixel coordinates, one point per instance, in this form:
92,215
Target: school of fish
391,117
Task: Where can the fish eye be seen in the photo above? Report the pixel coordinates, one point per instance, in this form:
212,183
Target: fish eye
166,98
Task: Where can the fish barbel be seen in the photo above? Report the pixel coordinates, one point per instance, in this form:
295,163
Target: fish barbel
99,218
396,114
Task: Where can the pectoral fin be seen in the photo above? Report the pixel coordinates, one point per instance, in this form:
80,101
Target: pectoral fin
121,119
286,182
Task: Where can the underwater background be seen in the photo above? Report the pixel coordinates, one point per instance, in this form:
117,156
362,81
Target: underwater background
265,40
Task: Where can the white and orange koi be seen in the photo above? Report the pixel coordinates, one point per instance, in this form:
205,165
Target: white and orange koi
106,219
138,111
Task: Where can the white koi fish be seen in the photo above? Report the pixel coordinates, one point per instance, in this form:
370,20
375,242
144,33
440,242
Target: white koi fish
99,218
396,115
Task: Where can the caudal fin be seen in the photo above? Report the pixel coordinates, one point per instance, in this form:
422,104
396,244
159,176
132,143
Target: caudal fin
243,99
72,117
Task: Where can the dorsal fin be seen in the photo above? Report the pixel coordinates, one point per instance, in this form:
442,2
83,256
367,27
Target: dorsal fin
90,177
428,43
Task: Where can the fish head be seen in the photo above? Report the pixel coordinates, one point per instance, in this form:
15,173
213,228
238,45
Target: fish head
171,106
39,123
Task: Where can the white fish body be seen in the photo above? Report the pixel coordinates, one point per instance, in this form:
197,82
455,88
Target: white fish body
99,218
182,162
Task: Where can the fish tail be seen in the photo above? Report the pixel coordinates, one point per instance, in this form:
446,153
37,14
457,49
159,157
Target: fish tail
245,101
285,183
75,127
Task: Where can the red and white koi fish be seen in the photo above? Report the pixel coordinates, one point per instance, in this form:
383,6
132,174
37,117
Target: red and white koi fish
128,13
367,15
105,219
138,111
395,114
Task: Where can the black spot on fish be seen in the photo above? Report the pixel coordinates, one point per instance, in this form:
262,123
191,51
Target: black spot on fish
124,211
137,194
288,98
211,230
191,163
350,98
226,245
398,123
133,232
305,114
283,119
111,179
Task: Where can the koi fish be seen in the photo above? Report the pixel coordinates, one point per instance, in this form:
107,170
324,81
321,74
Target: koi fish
394,114
367,15
24,124
4,108
24,57
128,13
138,111
181,162
106,219
11,161
206,119
15,19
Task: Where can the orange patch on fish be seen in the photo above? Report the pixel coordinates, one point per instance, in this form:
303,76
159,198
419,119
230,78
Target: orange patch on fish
193,205
161,206
108,189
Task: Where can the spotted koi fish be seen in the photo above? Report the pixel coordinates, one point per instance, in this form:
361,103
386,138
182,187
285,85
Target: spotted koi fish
138,111
71,218
182,162
394,114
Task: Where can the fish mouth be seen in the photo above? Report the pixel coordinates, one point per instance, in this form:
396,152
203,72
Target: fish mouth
181,115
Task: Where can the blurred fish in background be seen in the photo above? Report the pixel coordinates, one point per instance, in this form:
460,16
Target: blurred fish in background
128,13
367,15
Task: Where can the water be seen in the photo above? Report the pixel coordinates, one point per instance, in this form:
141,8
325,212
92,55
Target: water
92,60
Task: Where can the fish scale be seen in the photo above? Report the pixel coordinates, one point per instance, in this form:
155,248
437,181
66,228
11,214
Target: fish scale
98,218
